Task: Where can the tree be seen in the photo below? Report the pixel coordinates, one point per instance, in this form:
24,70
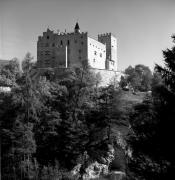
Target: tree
165,100
19,112
139,77
10,73
153,125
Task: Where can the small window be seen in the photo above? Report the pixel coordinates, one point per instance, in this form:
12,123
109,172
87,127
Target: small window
47,37
82,43
47,53
100,54
81,37
68,42
53,45
61,43
79,57
47,61
95,52
79,50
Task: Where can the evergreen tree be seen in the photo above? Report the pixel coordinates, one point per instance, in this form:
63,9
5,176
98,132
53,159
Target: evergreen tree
153,125
165,101
17,117
10,73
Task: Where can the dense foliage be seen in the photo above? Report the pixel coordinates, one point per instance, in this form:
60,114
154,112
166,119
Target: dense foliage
48,123
153,126
138,78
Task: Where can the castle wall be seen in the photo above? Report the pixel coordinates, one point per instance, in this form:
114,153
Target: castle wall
51,49
45,50
76,47
114,51
96,54
108,76
111,50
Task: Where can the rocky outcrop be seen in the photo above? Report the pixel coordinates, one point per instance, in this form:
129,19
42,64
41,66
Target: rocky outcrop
99,168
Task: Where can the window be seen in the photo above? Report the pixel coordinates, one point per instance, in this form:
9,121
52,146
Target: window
95,52
82,43
61,43
47,37
47,53
53,45
79,57
100,54
47,61
79,50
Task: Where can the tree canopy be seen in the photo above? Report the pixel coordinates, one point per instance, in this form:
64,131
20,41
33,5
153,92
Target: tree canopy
138,77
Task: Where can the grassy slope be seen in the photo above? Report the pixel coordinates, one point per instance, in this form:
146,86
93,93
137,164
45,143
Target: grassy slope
127,102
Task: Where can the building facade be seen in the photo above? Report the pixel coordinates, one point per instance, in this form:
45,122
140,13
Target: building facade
69,49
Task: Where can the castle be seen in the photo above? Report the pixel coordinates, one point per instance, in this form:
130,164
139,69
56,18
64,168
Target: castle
66,50
69,49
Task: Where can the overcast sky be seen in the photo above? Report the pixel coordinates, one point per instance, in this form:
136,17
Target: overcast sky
143,27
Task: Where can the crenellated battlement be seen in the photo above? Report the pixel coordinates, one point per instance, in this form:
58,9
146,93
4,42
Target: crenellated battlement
105,34
71,33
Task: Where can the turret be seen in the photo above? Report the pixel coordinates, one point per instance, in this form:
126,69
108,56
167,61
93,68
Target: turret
111,50
77,28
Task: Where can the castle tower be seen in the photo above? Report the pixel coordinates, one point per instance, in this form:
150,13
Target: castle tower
111,50
77,28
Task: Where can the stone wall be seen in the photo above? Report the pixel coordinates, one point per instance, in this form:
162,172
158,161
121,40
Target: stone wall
108,76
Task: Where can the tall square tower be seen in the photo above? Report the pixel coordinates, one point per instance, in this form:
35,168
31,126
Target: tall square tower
111,50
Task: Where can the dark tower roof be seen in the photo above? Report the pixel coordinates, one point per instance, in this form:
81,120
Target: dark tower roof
77,28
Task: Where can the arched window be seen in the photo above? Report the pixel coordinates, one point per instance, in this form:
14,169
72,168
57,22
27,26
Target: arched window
61,43
68,42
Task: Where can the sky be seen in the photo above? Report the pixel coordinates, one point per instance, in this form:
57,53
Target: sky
143,27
